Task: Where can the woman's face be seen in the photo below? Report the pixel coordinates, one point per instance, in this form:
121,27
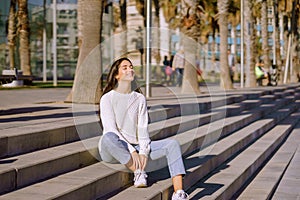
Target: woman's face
125,72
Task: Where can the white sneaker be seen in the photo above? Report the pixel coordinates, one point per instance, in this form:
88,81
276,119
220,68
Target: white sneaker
180,195
140,180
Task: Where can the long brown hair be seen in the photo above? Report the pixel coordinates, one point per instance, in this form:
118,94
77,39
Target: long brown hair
112,82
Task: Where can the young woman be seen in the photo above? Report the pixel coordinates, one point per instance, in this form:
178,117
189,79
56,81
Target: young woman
125,139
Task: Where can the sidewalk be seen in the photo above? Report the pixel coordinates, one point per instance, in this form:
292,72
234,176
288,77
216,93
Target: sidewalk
18,97
32,107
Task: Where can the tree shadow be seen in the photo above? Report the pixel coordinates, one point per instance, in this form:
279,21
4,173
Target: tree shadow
45,116
7,161
206,189
23,110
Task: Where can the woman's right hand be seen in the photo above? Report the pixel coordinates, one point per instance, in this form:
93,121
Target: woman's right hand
136,160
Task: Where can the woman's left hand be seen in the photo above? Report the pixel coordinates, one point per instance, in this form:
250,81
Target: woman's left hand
143,161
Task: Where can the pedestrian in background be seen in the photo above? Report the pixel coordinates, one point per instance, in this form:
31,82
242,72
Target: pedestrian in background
167,70
178,65
231,64
261,73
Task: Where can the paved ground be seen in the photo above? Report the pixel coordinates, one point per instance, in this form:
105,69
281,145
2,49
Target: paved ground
17,97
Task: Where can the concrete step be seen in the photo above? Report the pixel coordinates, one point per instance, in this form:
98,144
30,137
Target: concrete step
264,184
206,159
289,184
191,121
227,179
48,126
19,172
54,128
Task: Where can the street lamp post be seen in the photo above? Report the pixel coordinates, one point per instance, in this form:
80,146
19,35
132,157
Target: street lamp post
242,43
140,47
148,47
54,45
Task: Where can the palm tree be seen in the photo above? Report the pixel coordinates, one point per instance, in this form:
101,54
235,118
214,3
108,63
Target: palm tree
11,36
156,50
169,8
79,23
223,23
87,82
234,13
23,31
212,27
285,8
295,42
123,17
278,61
191,28
140,6
264,31
250,38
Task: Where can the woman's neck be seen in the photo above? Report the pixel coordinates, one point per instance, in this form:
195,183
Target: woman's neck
124,87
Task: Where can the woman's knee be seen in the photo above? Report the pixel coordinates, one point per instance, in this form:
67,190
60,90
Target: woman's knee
109,137
173,144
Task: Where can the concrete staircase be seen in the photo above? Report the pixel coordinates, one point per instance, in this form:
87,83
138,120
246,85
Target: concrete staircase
238,145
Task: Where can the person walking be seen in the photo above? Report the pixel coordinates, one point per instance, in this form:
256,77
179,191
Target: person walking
178,65
231,64
168,70
125,139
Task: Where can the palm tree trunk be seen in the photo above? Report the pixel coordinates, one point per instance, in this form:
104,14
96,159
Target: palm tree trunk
277,38
223,23
11,36
264,25
192,33
190,80
286,36
23,30
123,16
79,23
156,49
236,74
87,82
250,38
213,52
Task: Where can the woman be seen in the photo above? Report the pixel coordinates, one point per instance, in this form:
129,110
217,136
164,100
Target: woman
125,139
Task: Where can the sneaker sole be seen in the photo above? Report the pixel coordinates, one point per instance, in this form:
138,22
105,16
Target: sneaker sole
140,186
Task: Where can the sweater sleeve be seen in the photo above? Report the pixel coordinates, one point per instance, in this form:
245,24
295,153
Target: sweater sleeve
143,135
109,121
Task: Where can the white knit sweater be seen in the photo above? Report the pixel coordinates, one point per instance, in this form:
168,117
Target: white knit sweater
127,116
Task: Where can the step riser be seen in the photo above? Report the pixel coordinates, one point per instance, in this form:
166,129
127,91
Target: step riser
21,177
216,161
274,170
92,191
238,183
25,176
19,145
30,175
209,166
40,140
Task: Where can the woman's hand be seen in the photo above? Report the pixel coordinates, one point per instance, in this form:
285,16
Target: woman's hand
136,160
143,161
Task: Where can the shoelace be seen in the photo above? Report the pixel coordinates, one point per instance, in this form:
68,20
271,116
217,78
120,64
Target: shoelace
138,174
183,195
